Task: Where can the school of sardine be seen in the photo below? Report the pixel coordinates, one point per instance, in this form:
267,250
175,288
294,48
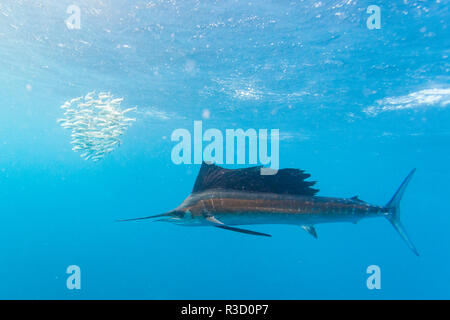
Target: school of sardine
96,122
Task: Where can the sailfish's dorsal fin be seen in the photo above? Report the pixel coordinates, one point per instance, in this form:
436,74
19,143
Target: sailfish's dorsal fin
285,181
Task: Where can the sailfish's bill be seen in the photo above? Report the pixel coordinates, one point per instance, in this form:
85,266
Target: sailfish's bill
224,198
145,218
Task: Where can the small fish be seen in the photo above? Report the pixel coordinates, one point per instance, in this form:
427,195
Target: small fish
85,104
103,96
96,123
75,100
96,158
225,198
89,96
128,110
117,101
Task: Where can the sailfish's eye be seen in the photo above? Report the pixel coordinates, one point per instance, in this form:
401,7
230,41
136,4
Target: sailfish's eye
178,214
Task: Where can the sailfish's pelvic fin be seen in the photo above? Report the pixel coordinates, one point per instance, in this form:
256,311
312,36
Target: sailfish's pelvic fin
218,224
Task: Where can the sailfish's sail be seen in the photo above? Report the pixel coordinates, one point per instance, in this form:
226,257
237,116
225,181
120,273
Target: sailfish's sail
285,181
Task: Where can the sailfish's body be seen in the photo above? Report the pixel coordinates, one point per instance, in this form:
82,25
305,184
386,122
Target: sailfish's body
226,198
244,208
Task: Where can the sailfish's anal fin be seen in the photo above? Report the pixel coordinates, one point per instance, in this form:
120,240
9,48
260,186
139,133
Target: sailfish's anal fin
218,224
311,230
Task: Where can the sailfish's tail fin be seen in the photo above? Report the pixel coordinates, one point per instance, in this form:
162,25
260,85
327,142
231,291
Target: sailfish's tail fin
393,209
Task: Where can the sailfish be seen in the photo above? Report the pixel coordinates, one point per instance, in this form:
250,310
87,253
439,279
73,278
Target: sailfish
227,198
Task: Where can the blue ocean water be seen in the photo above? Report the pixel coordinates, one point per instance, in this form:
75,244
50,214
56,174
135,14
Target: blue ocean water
357,108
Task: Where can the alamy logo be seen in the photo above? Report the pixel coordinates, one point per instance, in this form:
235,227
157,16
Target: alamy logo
235,147
74,280
74,20
374,20
374,280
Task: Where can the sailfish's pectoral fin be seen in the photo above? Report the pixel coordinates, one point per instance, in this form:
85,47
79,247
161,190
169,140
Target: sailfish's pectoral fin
218,224
213,220
311,230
